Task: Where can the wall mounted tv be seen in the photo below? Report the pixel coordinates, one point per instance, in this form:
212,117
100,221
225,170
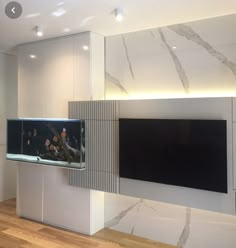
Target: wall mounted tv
51,142
189,153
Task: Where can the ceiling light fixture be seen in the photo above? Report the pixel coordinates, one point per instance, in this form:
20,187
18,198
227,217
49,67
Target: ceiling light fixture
119,14
39,31
59,12
32,15
86,21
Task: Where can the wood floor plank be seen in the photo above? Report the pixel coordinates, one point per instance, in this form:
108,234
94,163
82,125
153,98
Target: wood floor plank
30,246
128,240
17,232
30,237
71,238
19,222
7,241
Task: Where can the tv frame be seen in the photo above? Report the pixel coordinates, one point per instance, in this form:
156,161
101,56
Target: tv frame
223,191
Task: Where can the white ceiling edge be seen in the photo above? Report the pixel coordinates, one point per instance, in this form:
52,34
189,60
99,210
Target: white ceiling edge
173,23
14,49
97,16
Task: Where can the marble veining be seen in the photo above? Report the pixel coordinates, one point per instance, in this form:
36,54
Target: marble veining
181,226
127,56
152,34
151,208
188,33
115,81
132,231
179,68
137,213
135,218
116,220
146,63
204,61
186,231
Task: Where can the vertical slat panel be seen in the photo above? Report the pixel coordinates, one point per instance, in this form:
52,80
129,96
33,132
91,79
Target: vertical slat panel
102,172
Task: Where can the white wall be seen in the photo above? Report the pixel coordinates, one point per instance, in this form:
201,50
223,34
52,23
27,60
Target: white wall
8,109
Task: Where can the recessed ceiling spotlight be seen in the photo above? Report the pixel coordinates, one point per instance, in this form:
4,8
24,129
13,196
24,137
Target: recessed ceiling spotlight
59,12
119,14
39,31
66,30
174,47
32,56
33,15
60,3
85,48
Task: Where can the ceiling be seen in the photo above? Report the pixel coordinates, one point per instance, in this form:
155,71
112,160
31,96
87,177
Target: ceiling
98,16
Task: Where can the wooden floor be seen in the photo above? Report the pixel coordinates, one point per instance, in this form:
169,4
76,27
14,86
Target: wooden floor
16,232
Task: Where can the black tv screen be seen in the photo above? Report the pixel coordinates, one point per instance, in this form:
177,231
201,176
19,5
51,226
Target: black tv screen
189,153
52,142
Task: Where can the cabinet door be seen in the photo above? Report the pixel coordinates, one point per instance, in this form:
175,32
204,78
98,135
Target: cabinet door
30,191
58,72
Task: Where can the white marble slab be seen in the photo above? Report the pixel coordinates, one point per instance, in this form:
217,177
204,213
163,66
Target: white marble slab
183,60
186,60
172,224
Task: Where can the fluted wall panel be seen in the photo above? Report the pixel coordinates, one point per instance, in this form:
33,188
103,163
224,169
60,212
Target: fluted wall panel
102,146
94,110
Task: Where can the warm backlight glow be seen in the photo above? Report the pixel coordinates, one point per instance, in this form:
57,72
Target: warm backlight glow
137,96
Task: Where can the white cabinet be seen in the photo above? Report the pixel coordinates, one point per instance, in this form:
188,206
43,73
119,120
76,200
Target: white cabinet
52,73
56,71
30,191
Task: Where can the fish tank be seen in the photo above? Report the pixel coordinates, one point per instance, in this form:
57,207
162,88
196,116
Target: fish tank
47,141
